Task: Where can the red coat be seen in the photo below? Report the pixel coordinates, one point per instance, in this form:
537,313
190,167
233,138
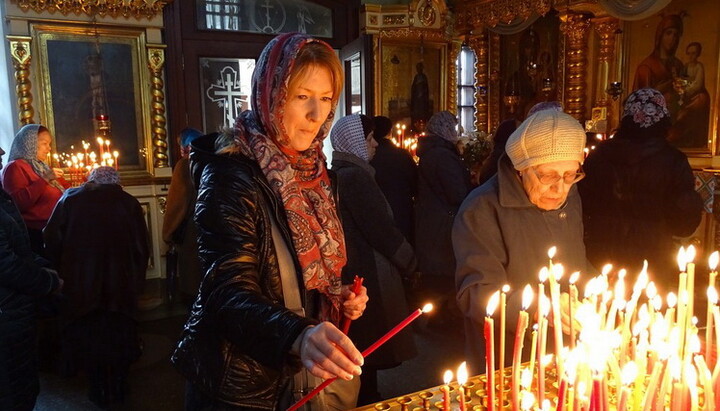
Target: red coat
34,196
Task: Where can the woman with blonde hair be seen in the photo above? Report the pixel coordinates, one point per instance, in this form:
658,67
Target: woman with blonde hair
271,245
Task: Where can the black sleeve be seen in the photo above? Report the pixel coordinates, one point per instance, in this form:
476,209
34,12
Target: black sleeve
228,217
22,274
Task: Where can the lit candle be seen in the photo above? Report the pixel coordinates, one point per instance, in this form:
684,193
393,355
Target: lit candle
462,376
490,349
555,276
101,143
522,324
629,372
501,378
573,298
690,256
116,155
706,381
533,345
404,323
447,377
712,263
542,342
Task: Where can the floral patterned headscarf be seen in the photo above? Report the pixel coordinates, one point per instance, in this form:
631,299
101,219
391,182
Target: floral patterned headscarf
104,175
646,107
25,147
299,179
442,124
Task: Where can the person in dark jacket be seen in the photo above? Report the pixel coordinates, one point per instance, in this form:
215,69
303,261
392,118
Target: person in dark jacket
443,183
271,245
98,239
490,166
178,229
639,193
505,227
24,276
396,174
377,250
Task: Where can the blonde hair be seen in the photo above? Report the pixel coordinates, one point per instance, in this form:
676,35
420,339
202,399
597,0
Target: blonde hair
317,54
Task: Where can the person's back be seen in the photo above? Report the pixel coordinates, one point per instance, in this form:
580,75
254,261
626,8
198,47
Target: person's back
638,194
98,239
396,174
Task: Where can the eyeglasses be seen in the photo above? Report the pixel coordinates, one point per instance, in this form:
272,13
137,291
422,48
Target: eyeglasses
568,178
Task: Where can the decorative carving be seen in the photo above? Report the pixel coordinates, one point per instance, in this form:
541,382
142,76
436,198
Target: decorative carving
479,45
494,91
373,19
156,61
452,87
411,33
427,14
114,8
575,27
393,19
479,13
20,52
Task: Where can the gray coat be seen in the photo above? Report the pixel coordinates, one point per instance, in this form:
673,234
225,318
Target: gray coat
500,237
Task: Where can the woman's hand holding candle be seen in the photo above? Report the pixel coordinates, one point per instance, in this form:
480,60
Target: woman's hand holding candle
327,353
354,303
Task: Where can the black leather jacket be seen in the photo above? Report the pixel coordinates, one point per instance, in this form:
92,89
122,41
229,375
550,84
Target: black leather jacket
235,346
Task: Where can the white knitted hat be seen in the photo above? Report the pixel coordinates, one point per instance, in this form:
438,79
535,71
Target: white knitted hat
544,137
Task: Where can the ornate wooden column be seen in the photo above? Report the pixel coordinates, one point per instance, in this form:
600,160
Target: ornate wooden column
479,45
494,80
156,61
575,27
20,52
453,54
607,28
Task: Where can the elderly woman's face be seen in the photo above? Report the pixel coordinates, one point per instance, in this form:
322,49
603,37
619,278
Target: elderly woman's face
308,105
43,145
550,196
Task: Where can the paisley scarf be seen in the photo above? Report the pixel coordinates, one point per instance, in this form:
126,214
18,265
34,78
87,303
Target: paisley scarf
24,147
299,179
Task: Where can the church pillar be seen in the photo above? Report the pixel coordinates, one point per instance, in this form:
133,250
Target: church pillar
575,27
156,61
607,28
20,52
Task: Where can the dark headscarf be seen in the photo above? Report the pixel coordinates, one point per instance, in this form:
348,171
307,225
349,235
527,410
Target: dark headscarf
298,179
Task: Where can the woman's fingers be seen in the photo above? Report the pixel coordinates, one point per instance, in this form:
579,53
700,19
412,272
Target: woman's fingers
354,304
326,352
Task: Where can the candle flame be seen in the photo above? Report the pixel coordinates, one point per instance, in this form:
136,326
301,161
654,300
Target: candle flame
447,377
546,405
526,377
551,252
672,300
528,400
543,275
462,373
682,259
642,280
505,288
691,377
651,290
694,344
527,297
544,305
629,373
100,140
675,368
657,303
558,271
581,388
546,360
712,295
606,269
690,253
713,260
493,303
574,277
427,308
620,289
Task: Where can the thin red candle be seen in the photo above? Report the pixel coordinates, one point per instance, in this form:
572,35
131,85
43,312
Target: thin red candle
345,321
404,323
490,350
595,401
562,392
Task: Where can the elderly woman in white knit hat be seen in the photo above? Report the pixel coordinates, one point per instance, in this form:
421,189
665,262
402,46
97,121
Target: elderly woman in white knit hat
505,227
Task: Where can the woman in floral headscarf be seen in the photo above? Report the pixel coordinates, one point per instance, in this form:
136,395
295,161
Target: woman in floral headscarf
271,243
31,183
639,192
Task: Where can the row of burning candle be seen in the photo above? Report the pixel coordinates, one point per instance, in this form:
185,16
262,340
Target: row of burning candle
643,343
84,161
